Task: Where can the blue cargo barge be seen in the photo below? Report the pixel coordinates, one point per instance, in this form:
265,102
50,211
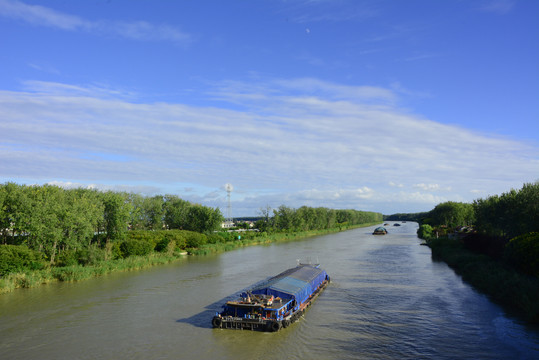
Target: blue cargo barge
276,302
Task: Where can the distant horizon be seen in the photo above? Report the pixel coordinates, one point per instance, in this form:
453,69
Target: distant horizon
383,106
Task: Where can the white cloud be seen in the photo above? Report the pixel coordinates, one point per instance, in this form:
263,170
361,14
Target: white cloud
41,16
93,90
497,6
428,187
349,151
142,30
137,30
302,12
44,68
139,189
331,194
419,197
335,91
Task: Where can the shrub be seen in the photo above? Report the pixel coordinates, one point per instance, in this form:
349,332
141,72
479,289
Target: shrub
86,256
194,239
162,245
424,232
113,251
177,236
17,258
226,236
149,236
135,247
493,246
90,256
522,252
67,258
215,239
170,248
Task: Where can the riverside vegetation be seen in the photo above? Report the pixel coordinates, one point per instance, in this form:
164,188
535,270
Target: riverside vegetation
52,234
493,244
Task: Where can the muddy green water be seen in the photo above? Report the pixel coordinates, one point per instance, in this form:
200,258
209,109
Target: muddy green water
387,300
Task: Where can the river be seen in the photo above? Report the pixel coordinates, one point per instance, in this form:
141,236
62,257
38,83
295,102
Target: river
387,300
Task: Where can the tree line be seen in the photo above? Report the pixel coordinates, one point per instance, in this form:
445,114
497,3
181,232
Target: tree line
508,215
505,227
308,218
406,216
45,225
50,219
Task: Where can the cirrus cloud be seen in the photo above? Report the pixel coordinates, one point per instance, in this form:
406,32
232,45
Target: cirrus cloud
279,147
38,15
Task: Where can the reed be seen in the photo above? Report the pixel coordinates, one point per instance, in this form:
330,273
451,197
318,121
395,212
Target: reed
33,278
29,278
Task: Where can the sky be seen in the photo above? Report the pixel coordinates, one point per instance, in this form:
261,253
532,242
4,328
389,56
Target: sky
387,106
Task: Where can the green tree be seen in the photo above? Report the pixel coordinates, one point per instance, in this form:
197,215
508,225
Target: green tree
452,214
511,214
176,212
487,214
283,218
425,232
136,219
17,258
5,224
527,205
116,214
522,252
153,209
14,210
80,214
264,224
203,219
331,216
304,219
45,231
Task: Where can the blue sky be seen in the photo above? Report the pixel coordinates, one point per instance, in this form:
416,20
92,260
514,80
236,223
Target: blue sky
388,106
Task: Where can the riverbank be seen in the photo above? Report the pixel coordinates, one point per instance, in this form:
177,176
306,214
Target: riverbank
269,239
517,293
34,278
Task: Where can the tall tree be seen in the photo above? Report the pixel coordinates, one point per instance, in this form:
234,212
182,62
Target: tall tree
203,219
176,212
80,216
15,209
45,231
452,214
116,213
154,212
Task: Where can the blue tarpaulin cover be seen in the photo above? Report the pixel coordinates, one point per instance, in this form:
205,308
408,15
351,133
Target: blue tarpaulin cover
297,283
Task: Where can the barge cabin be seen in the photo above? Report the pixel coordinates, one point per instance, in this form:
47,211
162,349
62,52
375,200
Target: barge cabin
275,302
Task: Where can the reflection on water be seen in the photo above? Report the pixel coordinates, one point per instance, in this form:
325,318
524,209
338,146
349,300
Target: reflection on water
387,300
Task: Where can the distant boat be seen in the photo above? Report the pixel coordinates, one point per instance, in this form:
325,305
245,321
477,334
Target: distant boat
395,224
380,231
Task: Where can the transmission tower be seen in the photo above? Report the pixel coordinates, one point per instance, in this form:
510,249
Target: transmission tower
228,188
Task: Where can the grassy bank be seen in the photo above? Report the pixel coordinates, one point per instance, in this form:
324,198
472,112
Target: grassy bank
268,239
33,278
517,293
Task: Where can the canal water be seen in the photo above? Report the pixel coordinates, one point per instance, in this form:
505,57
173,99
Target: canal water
387,300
